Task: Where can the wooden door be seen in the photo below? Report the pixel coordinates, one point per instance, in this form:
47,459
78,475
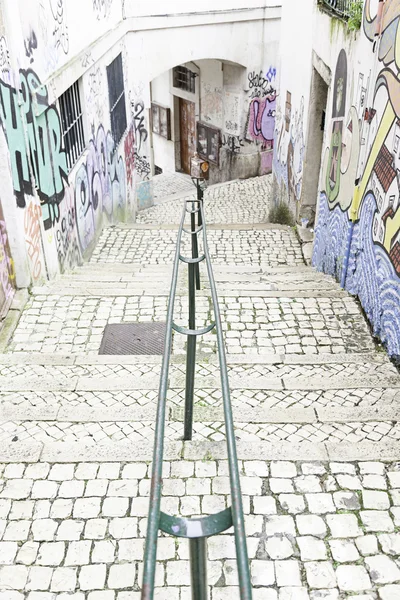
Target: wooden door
187,122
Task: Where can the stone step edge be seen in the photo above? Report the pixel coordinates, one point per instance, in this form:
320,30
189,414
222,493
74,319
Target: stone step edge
30,358
210,226
63,452
99,292
118,383
123,268
137,414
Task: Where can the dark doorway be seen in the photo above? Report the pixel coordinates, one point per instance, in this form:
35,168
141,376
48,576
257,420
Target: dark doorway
315,138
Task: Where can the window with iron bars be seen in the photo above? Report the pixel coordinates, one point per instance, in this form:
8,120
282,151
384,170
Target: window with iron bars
184,79
72,124
339,7
116,94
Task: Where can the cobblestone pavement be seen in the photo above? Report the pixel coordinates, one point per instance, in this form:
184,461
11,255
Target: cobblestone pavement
170,184
243,201
315,405
315,529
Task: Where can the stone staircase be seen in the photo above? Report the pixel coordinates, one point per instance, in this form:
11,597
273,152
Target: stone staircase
303,368
307,386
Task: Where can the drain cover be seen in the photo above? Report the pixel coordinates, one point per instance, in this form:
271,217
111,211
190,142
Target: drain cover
133,338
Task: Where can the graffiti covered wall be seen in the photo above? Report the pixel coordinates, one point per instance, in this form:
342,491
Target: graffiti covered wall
359,205
62,209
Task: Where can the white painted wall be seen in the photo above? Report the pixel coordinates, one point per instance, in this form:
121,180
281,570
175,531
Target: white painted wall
163,149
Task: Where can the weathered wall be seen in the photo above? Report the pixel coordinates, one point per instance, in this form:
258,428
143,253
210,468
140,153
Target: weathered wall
292,102
363,142
54,214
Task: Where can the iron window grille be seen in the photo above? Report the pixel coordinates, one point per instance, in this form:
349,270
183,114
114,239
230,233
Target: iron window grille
116,94
184,79
339,7
72,124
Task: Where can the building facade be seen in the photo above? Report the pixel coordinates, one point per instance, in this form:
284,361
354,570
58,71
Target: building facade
97,96
337,145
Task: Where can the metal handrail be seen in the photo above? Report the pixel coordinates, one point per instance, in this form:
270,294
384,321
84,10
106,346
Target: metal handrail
197,530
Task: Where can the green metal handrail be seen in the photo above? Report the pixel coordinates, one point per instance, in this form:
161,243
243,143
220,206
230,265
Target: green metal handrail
197,530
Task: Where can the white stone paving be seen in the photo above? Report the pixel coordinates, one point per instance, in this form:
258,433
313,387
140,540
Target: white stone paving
316,409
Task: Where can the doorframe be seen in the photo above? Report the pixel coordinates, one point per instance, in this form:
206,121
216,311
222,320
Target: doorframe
176,94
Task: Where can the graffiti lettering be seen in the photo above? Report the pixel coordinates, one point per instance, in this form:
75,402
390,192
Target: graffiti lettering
261,122
232,143
102,8
7,271
33,214
141,133
129,148
87,60
5,64
60,32
142,166
100,186
46,154
67,246
260,85
30,44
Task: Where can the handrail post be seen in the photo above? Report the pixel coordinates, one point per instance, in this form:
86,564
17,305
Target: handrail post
191,339
195,245
198,568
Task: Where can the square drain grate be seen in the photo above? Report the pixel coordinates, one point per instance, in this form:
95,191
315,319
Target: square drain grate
133,338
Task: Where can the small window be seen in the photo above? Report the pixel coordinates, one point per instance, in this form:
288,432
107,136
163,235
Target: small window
72,124
208,142
161,120
116,94
184,79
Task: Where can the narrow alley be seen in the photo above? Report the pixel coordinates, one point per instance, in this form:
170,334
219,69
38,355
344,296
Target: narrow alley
315,406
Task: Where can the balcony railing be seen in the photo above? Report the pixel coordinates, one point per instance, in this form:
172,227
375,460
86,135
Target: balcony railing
338,7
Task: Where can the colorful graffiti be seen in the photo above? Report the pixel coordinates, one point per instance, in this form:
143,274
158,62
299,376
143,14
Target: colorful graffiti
261,122
100,187
68,251
341,159
7,270
43,136
32,219
129,148
288,159
361,213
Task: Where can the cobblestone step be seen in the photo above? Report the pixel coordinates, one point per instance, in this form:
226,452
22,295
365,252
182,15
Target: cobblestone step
203,451
143,382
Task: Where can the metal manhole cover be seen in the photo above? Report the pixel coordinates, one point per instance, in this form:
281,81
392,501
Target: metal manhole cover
133,338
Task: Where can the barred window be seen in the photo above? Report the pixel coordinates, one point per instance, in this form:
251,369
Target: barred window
72,124
116,94
184,79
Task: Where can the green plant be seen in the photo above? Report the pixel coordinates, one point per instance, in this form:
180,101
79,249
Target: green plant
355,15
281,214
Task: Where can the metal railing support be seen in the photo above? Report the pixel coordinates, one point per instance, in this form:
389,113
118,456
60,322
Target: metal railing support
198,568
197,530
191,347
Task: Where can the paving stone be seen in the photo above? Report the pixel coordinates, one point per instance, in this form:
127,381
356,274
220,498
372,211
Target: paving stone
344,551
382,569
320,575
311,548
352,578
377,520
